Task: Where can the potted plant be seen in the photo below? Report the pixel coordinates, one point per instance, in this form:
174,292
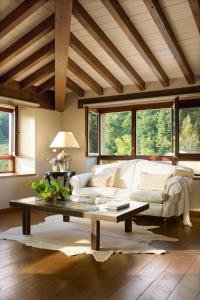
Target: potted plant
50,191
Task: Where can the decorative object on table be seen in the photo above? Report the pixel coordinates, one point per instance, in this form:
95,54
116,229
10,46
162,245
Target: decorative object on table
64,140
50,191
55,162
54,234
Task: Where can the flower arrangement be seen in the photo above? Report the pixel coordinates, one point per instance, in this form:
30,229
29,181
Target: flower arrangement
55,161
61,162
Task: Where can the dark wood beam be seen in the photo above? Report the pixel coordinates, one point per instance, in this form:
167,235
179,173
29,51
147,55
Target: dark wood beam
89,57
27,40
38,75
129,29
89,24
45,86
80,73
18,15
195,8
63,11
140,95
12,90
28,63
73,86
165,29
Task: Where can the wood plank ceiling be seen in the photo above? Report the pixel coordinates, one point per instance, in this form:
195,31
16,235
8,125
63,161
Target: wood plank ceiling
50,47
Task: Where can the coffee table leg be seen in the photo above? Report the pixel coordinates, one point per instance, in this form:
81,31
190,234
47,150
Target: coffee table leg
95,234
128,225
26,224
66,218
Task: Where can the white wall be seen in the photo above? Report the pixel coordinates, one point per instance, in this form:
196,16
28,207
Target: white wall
47,123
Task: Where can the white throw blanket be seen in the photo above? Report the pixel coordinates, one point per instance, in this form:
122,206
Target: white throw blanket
185,189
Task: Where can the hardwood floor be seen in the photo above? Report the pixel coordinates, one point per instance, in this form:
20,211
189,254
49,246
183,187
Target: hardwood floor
28,273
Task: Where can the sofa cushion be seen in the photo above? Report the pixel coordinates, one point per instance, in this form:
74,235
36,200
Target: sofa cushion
124,176
151,182
99,181
97,191
149,196
184,172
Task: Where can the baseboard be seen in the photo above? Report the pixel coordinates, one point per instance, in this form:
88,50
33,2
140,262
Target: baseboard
8,209
195,213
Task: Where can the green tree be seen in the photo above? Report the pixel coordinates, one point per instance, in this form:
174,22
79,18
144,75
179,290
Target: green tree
189,136
123,145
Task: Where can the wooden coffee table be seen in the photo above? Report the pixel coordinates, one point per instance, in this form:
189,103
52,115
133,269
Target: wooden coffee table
83,208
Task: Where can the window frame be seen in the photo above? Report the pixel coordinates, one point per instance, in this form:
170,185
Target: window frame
14,137
175,105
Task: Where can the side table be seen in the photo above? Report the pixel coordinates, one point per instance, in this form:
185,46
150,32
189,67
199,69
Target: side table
66,177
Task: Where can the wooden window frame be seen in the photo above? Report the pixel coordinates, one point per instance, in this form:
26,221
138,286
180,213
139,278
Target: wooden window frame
176,104
11,157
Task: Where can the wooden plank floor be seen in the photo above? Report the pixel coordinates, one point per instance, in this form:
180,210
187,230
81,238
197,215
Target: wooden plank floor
28,273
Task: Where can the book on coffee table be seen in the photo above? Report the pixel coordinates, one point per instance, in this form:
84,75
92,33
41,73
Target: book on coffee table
117,204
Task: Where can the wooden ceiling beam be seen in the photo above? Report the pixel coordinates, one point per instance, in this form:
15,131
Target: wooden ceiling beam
140,95
12,90
89,24
165,29
73,86
27,40
87,55
38,75
80,73
63,11
19,14
28,63
131,32
45,86
195,8
48,84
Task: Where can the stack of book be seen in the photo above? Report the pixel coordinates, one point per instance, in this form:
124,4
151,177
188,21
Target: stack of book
117,204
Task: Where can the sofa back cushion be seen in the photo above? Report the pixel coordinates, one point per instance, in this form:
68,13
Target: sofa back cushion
152,182
150,167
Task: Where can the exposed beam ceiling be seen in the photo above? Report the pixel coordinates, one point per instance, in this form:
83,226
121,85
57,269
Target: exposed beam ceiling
73,86
95,63
19,14
164,27
48,84
45,86
195,7
27,40
63,11
129,29
38,75
84,18
29,62
12,90
80,73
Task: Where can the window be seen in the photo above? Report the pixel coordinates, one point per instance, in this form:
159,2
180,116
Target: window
6,140
167,130
116,131
93,133
189,130
154,132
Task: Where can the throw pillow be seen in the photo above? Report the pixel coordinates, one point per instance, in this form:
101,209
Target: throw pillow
100,181
152,182
183,172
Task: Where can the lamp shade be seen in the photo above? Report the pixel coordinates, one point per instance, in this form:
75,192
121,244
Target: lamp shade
64,139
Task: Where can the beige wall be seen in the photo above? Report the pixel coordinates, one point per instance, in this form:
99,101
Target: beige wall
47,123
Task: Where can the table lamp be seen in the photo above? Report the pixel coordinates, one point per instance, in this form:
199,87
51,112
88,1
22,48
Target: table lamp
64,140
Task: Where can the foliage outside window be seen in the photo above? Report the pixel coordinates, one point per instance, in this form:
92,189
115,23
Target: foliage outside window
189,130
6,159
93,133
116,133
154,132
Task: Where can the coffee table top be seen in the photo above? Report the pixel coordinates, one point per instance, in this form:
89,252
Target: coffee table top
84,207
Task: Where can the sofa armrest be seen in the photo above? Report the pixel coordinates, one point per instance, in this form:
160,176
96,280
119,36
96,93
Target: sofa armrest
80,181
174,185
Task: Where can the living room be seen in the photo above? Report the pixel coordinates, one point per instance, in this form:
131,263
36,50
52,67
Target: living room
122,78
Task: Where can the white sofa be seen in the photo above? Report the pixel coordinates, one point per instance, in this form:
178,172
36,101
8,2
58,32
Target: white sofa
127,176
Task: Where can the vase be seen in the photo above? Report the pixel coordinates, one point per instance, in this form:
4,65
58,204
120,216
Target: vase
65,165
55,168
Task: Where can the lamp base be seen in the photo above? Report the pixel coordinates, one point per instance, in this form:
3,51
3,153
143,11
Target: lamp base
65,165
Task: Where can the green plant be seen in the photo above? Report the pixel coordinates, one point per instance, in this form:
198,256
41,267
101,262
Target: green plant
54,190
